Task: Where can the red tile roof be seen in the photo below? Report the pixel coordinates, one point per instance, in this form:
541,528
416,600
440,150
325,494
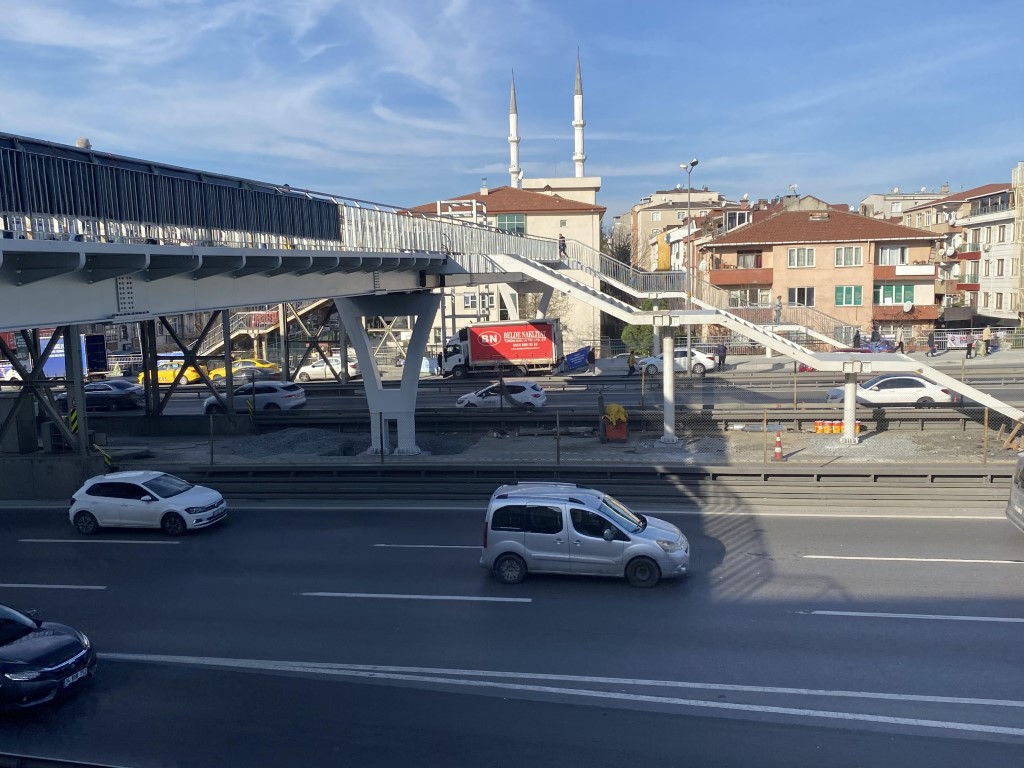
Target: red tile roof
511,200
831,226
967,194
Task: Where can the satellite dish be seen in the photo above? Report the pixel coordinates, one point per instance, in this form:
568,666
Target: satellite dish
908,306
950,251
895,190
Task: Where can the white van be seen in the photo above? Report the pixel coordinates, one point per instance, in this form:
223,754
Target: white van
561,528
1015,506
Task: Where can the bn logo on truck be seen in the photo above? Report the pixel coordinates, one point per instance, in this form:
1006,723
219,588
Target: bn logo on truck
490,338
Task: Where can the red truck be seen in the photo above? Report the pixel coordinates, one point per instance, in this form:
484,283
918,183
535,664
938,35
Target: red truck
514,347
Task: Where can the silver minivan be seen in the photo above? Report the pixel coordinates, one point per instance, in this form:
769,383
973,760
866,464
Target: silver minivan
562,528
1015,505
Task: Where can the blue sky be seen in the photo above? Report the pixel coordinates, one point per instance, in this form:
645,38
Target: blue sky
407,102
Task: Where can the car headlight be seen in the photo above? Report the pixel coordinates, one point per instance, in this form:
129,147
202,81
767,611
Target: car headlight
84,639
23,676
193,510
670,546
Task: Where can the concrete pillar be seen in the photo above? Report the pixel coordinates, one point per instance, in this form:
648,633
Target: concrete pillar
545,302
668,383
849,410
398,405
74,372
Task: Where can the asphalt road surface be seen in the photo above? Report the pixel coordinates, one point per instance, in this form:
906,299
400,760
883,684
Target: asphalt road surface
368,635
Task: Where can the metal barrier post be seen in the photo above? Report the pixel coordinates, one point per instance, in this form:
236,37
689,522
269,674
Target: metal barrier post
984,455
558,439
764,428
211,438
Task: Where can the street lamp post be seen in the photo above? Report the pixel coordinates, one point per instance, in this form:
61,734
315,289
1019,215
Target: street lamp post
688,167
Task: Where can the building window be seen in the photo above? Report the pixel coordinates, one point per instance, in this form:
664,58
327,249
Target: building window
746,297
893,293
927,219
1001,234
999,301
849,256
748,260
849,296
999,267
987,264
486,301
919,219
803,297
895,207
563,223
656,216
469,301
988,235
892,255
512,222
976,235
801,257
984,300
680,215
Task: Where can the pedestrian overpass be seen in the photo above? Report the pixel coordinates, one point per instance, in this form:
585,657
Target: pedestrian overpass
73,252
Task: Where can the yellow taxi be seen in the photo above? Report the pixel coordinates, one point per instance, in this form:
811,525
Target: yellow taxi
241,367
167,370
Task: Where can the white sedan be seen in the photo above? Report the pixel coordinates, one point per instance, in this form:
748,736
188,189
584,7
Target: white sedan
895,389
701,363
262,396
144,499
527,394
318,370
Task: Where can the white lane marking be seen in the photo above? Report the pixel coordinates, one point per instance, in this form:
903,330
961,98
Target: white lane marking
928,616
416,675
382,596
912,559
836,515
428,546
93,541
48,586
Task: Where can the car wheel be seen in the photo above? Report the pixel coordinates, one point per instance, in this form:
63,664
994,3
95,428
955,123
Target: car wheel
182,381
642,572
303,377
925,401
217,377
86,523
529,406
469,405
272,407
173,524
510,569
519,371
459,372
699,369
213,409
652,370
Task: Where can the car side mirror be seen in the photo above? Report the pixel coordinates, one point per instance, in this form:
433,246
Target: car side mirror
874,388
608,535
33,614
146,498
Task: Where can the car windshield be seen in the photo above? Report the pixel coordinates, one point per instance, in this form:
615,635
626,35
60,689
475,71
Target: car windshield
166,486
875,381
13,625
619,511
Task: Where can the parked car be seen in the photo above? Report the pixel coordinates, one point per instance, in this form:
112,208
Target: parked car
240,368
701,363
562,528
40,660
895,389
169,370
144,499
263,396
528,394
318,370
106,396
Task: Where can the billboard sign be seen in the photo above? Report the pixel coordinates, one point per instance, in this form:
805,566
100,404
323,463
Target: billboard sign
517,342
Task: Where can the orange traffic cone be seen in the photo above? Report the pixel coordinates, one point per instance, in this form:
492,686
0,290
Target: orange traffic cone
777,456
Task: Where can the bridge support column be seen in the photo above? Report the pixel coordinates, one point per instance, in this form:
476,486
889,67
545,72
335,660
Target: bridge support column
849,409
668,382
392,404
544,302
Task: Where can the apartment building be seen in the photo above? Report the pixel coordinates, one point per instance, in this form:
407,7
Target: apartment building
891,205
989,229
664,210
858,269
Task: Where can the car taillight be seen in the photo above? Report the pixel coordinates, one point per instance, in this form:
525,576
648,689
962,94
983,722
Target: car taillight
946,392
535,394
485,534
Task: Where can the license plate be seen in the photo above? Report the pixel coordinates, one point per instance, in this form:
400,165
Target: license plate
76,677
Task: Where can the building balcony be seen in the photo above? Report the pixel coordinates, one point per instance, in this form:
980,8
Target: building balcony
895,313
961,286
947,287
905,272
968,251
728,277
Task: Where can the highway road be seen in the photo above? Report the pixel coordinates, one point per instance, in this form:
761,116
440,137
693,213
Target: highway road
367,634
767,390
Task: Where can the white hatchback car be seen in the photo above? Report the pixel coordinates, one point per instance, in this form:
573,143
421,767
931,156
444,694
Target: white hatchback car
318,370
262,396
895,389
701,363
144,499
527,394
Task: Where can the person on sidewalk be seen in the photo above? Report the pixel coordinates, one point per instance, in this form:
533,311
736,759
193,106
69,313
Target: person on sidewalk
591,362
876,335
986,339
722,351
856,339
931,344
970,346
631,361
899,339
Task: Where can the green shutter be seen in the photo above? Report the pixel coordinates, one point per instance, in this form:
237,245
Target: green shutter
839,295
858,296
